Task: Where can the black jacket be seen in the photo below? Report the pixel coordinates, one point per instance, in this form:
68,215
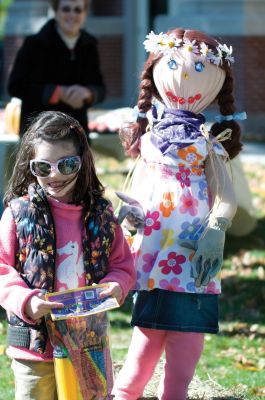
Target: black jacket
43,62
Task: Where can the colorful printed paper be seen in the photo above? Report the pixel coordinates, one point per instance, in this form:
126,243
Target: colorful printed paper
81,302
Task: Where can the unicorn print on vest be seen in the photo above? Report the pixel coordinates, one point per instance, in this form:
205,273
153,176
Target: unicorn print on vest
70,268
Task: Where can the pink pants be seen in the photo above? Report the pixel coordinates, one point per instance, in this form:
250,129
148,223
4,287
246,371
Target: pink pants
182,353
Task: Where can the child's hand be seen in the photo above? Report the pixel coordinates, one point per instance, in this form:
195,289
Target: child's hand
37,306
113,289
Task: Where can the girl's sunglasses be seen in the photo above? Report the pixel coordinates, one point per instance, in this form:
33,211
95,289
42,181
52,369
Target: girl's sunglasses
76,10
65,166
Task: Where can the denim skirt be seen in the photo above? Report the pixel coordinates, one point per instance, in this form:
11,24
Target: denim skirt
183,312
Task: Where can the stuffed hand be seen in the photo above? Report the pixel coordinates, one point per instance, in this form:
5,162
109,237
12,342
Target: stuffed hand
208,258
132,211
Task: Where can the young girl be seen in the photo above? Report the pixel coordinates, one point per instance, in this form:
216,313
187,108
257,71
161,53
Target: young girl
57,232
182,188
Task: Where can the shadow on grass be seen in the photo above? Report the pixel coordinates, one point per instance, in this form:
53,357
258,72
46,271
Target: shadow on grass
120,323
243,299
225,398
243,296
254,241
121,317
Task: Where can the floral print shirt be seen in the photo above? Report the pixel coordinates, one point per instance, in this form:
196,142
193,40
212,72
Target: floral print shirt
174,193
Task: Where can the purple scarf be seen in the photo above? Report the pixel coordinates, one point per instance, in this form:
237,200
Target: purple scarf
176,129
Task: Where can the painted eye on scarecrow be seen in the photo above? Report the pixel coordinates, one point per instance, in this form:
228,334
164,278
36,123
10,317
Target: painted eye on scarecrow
172,64
199,66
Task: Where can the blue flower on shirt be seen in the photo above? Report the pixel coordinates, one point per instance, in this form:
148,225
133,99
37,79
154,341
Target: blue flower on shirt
203,192
191,230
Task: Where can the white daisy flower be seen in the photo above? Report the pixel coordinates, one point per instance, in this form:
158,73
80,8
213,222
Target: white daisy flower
190,47
225,49
217,58
227,53
205,51
153,42
170,43
229,59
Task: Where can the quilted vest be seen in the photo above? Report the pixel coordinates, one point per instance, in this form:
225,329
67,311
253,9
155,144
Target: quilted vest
35,260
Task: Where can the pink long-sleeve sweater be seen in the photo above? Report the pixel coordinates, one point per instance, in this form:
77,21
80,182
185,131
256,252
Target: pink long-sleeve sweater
14,293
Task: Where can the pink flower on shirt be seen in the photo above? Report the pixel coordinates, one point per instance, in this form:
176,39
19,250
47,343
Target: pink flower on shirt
183,176
211,288
172,285
189,204
149,261
151,222
172,264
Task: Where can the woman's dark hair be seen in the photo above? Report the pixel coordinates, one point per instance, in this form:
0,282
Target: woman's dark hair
53,127
55,4
130,134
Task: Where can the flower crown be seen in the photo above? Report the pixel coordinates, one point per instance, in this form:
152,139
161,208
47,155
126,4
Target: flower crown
167,43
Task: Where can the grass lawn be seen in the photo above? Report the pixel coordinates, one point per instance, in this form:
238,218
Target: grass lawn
233,362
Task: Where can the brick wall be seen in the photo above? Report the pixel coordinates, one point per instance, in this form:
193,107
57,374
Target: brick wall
254,73
110,49
107,7
11,44
249,70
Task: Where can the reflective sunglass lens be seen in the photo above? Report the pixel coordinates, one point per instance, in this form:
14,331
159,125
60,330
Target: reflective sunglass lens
69,165
41,168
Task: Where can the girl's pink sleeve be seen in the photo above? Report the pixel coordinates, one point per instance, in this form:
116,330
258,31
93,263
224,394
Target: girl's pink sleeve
14,292
121,266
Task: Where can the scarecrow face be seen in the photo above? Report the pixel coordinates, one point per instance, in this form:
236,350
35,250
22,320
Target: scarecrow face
187,81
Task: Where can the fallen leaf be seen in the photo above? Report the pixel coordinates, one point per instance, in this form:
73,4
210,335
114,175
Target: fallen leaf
260,390
247,367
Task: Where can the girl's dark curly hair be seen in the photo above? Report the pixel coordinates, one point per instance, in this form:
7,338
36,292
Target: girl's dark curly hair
55,127
130,134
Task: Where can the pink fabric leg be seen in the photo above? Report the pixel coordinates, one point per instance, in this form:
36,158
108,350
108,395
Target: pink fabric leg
144,352
183,351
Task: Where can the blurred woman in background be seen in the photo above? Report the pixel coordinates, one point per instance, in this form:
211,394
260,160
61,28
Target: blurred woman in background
58,68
